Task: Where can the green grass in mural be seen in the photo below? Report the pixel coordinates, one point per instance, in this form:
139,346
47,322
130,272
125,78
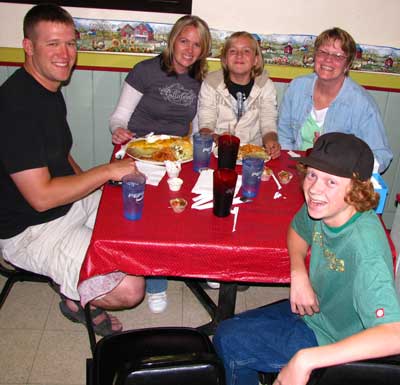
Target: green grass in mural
290,50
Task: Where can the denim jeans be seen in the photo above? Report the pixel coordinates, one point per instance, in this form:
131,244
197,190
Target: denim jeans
156,285
260,340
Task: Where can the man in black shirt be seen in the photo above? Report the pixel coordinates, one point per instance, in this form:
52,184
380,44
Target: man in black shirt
47,203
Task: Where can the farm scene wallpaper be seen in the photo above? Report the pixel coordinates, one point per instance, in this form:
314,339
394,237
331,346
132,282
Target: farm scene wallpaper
291,50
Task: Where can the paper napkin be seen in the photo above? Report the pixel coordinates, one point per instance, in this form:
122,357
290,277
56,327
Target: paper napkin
204,184
153,173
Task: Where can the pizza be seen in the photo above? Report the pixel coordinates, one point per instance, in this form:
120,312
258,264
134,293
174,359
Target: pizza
162,149
252,150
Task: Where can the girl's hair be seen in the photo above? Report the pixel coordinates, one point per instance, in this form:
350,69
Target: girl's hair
199,69
347,42
45,12
257,69
361,194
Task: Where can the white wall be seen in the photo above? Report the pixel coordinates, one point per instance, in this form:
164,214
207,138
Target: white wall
368,21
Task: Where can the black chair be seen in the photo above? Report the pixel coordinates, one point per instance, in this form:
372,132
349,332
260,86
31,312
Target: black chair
15,274
378,371
162,356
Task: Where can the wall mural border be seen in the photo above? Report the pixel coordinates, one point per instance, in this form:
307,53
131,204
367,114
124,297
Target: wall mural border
141,37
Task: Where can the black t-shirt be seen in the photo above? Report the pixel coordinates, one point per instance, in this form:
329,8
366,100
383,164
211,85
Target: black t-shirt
34,134
240,92
234,89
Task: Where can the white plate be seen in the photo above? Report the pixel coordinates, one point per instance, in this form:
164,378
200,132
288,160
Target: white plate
155,162
158,163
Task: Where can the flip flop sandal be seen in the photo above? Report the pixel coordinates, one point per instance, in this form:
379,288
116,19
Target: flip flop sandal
104,328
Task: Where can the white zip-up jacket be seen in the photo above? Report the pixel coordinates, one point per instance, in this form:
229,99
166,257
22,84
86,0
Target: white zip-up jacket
218,108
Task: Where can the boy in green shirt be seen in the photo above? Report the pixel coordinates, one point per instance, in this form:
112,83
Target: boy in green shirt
345,308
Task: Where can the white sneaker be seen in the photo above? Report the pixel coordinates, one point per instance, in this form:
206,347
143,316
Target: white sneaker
157,301
213,285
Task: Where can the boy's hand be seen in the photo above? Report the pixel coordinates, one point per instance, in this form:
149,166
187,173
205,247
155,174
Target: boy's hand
294,373
303,299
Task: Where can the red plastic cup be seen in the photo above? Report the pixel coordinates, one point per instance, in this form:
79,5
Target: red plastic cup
228,148
224,183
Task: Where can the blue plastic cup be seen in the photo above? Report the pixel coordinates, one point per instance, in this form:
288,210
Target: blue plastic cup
133,186
251,176
202,146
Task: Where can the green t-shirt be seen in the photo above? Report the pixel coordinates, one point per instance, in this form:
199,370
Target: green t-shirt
310,127
351,271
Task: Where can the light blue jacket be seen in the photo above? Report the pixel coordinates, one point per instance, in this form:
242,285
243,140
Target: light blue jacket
353,111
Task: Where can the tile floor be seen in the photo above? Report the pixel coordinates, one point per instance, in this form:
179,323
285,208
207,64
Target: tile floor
39,346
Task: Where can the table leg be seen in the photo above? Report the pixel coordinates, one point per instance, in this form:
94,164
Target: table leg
226,303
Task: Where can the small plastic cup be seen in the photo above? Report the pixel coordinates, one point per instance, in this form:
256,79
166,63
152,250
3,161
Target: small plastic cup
175,184
251,171
133,186
178,205
202,146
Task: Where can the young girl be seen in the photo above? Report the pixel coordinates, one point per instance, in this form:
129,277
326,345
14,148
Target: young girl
241,98
346,307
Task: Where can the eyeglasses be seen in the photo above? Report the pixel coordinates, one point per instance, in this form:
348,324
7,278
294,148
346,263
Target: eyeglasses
336,57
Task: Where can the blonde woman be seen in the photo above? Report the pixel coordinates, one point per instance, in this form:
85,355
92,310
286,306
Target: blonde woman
160,95
241,98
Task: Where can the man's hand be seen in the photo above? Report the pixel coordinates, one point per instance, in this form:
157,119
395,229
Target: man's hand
121,135
120,168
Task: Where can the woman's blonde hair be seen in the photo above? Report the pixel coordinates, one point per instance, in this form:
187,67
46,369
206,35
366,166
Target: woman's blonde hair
361,194
257,69
199,69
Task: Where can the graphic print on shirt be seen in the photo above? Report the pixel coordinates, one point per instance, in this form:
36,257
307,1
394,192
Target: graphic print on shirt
177,94
334,263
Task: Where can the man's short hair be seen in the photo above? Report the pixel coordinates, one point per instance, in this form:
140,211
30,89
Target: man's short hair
45,12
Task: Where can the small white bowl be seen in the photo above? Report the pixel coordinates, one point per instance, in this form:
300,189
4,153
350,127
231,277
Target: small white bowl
175,184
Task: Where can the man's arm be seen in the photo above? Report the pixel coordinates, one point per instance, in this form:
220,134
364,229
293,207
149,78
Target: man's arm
303,299
43,192
378,341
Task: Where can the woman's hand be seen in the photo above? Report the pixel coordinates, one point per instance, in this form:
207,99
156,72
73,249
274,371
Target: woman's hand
121,135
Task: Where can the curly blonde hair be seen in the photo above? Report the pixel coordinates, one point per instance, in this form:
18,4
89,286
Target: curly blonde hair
361,194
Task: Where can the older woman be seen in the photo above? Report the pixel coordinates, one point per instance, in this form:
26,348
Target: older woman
328,100
160,95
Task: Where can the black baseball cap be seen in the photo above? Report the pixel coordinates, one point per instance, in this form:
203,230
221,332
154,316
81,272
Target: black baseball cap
341,154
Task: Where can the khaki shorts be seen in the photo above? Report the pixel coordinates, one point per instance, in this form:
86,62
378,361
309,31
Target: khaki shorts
56,249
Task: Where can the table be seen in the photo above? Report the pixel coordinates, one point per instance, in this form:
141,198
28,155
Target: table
196,244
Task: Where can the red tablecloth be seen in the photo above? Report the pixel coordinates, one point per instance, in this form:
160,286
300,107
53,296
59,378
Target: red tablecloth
196,243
